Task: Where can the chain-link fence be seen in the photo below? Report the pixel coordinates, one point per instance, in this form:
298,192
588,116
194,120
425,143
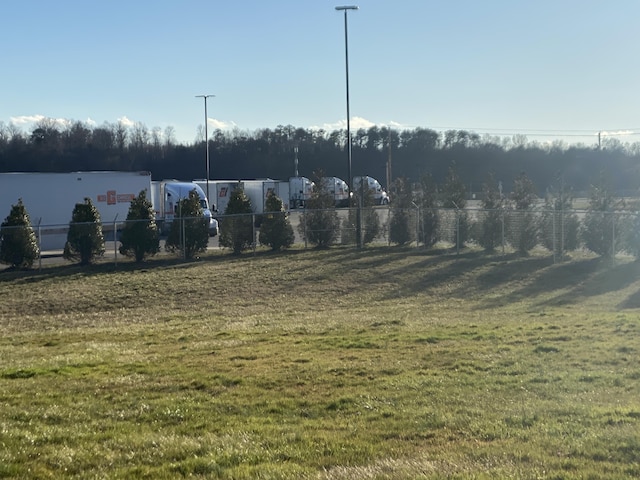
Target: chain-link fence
504,231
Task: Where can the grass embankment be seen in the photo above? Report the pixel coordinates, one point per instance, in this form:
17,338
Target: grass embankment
384,363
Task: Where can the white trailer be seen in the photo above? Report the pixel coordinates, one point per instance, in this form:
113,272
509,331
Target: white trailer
339,189
50,198
220,192
379,193
300,189
166,196
259,190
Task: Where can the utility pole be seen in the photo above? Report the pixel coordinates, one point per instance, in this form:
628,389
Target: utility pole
206,139
389,175
346,8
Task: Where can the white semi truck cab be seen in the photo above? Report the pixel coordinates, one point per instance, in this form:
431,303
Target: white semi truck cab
166,195
300,189
379,193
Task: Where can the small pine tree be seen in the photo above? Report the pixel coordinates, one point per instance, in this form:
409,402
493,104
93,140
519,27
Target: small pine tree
18,242
400,230
454,196
524,228
454,193
560,224
601,222
237,227
370,222
491,226
319,223
140,236
632,235
276,230
429,219
85,240
189,232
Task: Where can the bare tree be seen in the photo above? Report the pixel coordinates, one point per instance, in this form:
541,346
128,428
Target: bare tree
121,134
169,136
139,136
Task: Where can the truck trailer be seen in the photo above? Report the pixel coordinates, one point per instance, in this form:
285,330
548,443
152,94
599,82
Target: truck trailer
293,193
259,190
219,192
50,198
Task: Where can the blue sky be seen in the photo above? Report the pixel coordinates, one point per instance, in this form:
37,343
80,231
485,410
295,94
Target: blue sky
542,69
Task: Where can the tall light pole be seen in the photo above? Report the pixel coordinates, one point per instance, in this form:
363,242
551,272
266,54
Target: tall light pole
346,8
206,138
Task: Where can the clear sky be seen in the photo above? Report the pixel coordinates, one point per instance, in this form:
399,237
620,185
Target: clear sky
544,67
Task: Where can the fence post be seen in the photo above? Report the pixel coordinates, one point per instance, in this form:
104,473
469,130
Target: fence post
253,227
418,226
304,216
388,225
115,240
182,232
613,239
562,234
502,230
553,234
457,231
39,245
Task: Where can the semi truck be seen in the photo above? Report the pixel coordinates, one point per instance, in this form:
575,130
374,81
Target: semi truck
50,198
166,196
300,190
379,194
339,189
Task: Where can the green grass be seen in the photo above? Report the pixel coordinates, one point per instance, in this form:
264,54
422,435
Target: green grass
338,364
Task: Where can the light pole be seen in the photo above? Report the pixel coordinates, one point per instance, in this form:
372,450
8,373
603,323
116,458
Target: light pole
206,138
346,8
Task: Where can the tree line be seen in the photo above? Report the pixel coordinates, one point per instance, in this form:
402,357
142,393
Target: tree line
271,153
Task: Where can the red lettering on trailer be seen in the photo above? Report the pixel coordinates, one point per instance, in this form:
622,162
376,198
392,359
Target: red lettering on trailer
111,197
125,197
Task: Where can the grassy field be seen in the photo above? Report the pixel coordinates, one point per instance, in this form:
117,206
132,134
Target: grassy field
383,363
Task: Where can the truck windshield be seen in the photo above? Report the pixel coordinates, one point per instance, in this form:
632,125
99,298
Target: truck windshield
203,204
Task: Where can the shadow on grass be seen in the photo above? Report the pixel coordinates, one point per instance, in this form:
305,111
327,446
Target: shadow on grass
400,272
602,279
469,272
66,270
505,279
572,282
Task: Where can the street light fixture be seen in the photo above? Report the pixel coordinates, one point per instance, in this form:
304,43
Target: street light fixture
346,8
206,138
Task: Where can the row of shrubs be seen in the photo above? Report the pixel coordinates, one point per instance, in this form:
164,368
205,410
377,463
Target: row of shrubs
85,242
140,236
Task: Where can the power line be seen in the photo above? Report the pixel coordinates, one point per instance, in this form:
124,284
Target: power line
537,132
